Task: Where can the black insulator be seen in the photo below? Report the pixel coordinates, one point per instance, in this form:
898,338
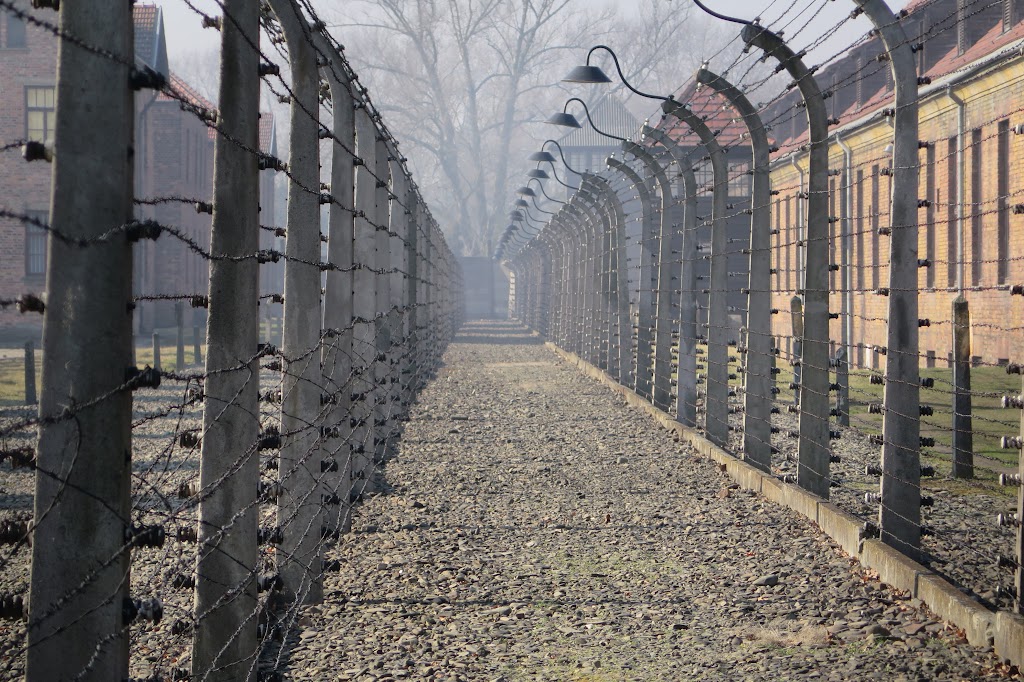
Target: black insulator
188,439
199,301
30,303
142,609
142,378
183,581
13,532
145,536
12,607
269,536
329,465
269,582
143,229
34,150
146,78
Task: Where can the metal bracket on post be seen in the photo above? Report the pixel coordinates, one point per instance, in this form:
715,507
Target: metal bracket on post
814,445
716,402
758,380
646,281
686,362
900,512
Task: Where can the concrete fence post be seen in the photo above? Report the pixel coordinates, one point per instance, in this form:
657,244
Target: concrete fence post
758,380
80,565
179,345
364,285
30,373
157,352
224,646
197,346
963,421
299,507
716,401
900,512
336,356
814,441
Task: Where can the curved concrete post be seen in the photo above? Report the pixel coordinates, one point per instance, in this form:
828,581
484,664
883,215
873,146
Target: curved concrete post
592,234
646,282
758,380
665,272
225,642
299,507
620,329
686,360
716,403
382,361
900,511
603,317
813,472
336,355
398,313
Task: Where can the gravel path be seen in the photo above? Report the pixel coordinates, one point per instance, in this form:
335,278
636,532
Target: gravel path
538,529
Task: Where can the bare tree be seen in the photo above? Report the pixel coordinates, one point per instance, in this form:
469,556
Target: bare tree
465,80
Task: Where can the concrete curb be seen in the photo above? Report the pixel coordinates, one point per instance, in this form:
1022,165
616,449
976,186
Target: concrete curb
982,626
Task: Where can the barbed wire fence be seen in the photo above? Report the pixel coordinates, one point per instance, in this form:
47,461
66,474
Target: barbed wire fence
636,278
180,520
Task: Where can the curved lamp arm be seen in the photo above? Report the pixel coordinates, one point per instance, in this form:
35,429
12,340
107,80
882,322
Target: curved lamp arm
622,76
542,190
590,118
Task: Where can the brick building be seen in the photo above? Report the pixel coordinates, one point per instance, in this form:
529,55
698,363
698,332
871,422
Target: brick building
173,171
971,181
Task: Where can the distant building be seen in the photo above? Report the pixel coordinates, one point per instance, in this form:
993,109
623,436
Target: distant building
173,171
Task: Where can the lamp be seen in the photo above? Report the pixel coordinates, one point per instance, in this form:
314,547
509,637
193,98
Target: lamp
567,120
538,174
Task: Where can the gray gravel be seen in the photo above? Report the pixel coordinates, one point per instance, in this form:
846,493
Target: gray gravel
539,529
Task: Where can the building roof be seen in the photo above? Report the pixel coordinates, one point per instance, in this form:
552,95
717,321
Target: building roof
931,22
718,115
150,42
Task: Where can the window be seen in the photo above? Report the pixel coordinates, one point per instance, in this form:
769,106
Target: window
977,207
875,213
952,232
40,113
832,222
787,244
15,32
929,215
862,261
705,176
1003,201
739,179
35,245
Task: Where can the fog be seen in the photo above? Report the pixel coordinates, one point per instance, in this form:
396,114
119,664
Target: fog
471,107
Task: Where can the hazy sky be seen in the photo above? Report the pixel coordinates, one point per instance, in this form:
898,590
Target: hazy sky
185,32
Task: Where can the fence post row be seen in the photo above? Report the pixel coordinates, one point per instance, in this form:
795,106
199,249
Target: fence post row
814,442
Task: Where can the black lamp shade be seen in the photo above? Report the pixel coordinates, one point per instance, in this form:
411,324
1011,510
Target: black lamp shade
587,74
565,120
542,157
521,202
538,173
526,191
